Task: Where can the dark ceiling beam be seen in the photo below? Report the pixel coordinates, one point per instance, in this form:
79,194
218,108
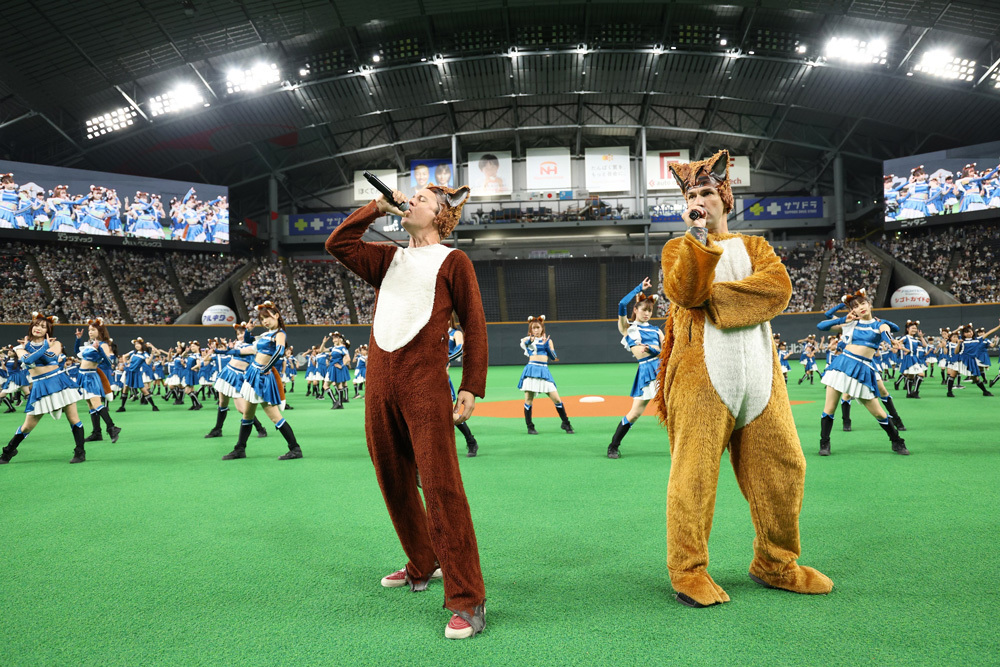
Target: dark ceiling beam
746,20
923,34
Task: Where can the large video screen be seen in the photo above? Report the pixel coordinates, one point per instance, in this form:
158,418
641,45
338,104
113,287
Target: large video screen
37,200
957,185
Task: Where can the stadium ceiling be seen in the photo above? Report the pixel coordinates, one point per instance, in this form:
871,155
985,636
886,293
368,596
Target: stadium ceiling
496,74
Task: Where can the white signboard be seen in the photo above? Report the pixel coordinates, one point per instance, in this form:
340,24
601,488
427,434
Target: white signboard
548,169
658,175
910,296
739,171
364,191
607,169
491,174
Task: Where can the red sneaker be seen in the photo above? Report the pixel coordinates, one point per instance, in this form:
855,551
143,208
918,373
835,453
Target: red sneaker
398,578
458,628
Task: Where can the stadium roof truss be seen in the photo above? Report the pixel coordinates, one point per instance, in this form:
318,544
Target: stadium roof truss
357,89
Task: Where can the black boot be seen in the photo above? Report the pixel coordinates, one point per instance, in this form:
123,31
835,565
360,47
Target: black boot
309,389
79,455
149,400
951,386
845,414
343,395
994,380
561,409
527,420
890,407
470,440
917,381
898,444
220,419
10,451
896,383
95,421
261,431
825,428
979,383
294,451
195,403
124,399
180,397
616,440
240,450
335,398
9,404
113,431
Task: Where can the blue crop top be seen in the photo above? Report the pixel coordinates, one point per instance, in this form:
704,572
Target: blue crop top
535,346
866,334
643,334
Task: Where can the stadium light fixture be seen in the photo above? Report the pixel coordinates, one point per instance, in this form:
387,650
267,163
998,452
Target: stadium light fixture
581,49
857,51
945,65
801,48
376,58
112,121
184,96
261,74
723,42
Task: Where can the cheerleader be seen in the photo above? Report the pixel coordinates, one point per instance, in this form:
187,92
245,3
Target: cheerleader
291,368
97,362
456,343
312,373
52,392
644,341
913,367
174,380
191,365
783,355
322,364
852,372
10,203
360,362
159,373
808,358
17,383
261,386
338,371
136,377
230,380
931,358
966,360
536,378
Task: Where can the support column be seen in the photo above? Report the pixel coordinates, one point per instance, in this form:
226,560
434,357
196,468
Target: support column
644,185
840,227
272,205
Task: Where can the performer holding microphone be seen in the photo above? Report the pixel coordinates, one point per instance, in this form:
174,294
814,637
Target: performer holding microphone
409,420
722,387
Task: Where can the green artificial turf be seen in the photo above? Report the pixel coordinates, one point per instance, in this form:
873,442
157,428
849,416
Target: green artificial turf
154,551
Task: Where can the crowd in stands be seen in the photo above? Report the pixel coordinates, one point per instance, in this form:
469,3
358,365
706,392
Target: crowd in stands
851,268
803,263
974,279
268,283
364,298
200,273
145,286
79,290
321,292
20,293
925,251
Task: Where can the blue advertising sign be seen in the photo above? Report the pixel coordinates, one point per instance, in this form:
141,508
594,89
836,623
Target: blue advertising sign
782,208
314,223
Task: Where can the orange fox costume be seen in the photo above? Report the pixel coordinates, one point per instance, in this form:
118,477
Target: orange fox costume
729,393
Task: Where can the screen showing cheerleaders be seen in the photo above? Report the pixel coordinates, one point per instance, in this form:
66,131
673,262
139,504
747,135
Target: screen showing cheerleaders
40,198
945,183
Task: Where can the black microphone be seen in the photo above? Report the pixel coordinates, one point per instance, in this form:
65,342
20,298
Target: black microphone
384,189
695,214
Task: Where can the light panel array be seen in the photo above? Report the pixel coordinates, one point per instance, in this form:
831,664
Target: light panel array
946,66
857,51
182,97
995,78
251,79
115,120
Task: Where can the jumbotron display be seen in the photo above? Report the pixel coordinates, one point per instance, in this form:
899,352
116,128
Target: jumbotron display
956,185
36,200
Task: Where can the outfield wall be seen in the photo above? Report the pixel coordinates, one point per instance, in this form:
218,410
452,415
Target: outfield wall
575,342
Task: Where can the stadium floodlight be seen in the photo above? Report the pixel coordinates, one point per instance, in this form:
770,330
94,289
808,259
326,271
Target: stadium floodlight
112,121
801,48
581,49
261,74
376,58
857,51
723,42
944,65
184,96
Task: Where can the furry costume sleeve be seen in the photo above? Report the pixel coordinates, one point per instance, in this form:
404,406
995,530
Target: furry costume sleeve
468,304
370,261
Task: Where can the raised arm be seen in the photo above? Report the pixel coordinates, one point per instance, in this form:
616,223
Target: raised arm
688,270
468,304
369,261
623,305
757,298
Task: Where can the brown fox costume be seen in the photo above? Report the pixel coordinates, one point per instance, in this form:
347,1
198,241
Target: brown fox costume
729,393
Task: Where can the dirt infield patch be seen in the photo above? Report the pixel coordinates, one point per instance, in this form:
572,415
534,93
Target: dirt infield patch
612,406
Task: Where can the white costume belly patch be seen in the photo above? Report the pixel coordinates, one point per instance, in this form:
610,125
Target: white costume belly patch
739,361
406,297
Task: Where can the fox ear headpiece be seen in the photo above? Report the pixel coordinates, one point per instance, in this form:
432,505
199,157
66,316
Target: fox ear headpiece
450,201
35,315
860,294
713,171
640,297
540,318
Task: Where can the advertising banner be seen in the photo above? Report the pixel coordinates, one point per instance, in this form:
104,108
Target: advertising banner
365,191
548,169
658,175
781,208
607,169
432,171
491,174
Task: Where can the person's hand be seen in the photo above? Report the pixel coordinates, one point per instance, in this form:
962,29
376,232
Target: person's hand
79,333
465,403
385,206
700,222
647,283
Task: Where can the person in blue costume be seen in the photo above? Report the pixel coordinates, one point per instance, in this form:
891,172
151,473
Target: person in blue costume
291,368
96,366
230,381
983,354
643,340
913,364
808,358
783,354
536,378
60,209
11,206
322,365
142,218
970,185
312,373
261,385
16,384
174,382
360,367
52,391
338,371
192,363
456,343
852,372
136,377
966,363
